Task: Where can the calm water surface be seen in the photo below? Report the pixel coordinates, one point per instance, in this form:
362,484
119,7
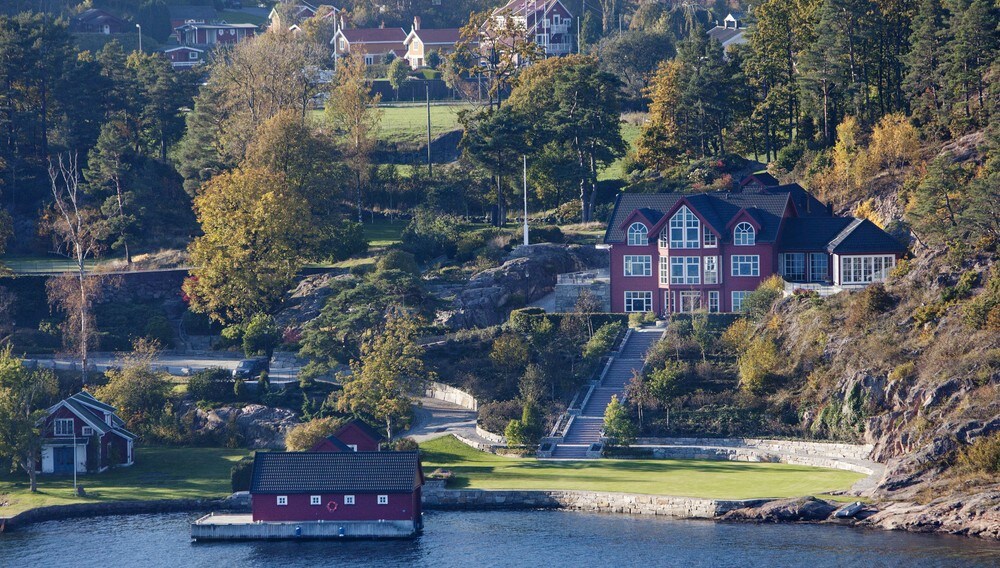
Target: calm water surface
528,538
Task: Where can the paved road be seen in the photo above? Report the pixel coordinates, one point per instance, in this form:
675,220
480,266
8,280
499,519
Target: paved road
435,418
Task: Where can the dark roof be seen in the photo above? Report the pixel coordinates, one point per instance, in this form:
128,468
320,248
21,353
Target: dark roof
722,35
806,205
717,208
863,236
84,405
197,13
364,427
337,443
96,15
335,472
762,178
811,233
375,35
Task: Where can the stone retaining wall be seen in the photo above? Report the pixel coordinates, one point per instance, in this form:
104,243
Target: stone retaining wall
450,394
495,438
601,502
823,449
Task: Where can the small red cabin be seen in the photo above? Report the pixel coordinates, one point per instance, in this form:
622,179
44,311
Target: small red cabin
84,434
354,436
336,486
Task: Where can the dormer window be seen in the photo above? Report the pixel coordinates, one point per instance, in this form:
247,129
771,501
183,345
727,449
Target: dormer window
744,235
685,230
638,235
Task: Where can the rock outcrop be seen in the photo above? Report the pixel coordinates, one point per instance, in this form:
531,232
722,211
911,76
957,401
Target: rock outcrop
306,300
528,273
258,426
972,515
784,510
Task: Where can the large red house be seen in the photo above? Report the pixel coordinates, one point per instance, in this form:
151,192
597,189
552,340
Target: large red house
84,433
337,486
673,252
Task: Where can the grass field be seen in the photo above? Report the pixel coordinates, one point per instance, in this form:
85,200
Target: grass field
407,124
685,478
159,473
630,132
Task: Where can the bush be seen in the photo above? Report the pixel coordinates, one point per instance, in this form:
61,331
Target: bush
430,235
757,364
868,304
569,212
983,456
261,336
759,302
398,260
494,416
341,240
404,445
241,474
790,155
159,329
602,341
215,385
433,59
546,234
521,319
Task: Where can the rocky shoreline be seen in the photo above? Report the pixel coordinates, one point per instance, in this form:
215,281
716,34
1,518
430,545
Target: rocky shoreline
977,516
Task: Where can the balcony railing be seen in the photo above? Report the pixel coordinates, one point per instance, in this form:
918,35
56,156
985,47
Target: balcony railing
584,277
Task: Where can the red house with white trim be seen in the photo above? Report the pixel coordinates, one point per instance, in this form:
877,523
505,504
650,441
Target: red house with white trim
334,487
84,433
675,253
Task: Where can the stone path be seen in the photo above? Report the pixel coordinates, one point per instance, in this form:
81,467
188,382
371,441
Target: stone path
586,428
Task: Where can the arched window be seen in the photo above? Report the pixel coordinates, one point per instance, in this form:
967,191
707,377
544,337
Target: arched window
637,234
685,229
744,235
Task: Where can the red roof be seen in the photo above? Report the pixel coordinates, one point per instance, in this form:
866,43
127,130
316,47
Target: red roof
374,35
440,35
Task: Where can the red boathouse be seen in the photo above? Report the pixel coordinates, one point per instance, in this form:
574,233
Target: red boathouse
354,436
337,487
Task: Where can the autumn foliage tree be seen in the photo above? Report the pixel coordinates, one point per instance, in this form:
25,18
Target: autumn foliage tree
257,235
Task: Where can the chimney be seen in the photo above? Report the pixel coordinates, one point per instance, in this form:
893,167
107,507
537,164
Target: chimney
416,23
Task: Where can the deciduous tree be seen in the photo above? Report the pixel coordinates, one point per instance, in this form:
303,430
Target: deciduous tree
24,396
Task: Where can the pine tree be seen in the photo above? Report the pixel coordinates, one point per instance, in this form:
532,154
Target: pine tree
923,80
971,51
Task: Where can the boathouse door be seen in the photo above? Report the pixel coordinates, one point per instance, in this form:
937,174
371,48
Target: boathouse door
63,458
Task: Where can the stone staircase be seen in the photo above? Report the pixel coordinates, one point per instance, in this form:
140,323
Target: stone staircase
586,428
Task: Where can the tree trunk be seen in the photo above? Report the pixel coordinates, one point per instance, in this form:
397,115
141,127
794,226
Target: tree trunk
28,464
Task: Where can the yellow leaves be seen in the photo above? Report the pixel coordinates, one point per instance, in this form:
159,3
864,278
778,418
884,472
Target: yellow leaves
658,143
866,210
895,142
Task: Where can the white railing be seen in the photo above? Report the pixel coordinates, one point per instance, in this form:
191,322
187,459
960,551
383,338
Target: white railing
584,277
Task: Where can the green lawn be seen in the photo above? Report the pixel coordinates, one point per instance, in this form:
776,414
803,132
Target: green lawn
383,232
159,473
630,132
50,264
407,124
686,478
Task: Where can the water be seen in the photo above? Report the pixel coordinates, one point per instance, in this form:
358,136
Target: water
524,538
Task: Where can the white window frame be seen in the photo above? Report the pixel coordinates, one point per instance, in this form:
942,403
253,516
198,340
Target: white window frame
865,268
664,270
637,265
282,500
685,229
744,235
713,301
739,260
738,296
369,60
86,431
644,296
710,240
638,235
788,271
192,55
685,297
712,275
690,270
383,499
556,19
348,499
813,256
664,240
354,447
59,427
343,44
315,499
668,301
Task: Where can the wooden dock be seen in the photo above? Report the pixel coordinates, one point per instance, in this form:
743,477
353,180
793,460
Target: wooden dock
243,527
